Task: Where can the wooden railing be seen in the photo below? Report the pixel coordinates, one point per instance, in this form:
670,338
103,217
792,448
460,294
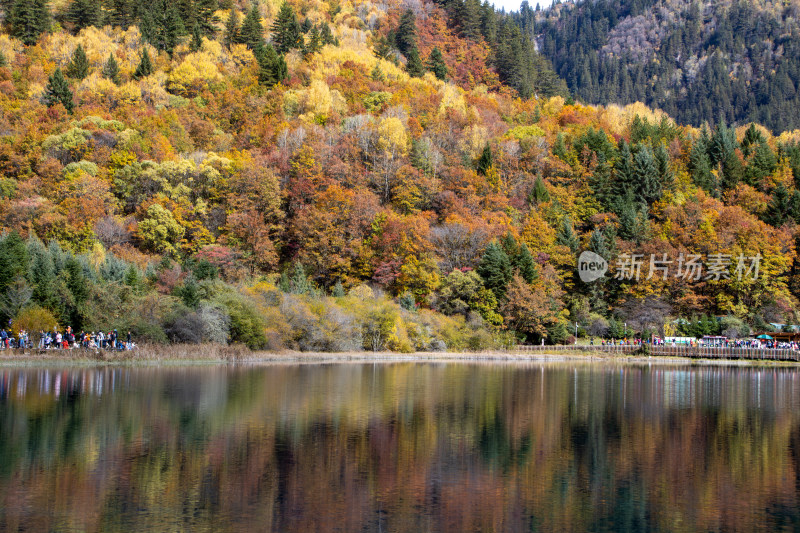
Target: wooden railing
694,352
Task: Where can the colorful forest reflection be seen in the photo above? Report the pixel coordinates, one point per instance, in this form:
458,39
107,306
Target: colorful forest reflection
400,447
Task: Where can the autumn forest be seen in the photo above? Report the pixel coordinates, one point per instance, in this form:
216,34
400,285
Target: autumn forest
347,175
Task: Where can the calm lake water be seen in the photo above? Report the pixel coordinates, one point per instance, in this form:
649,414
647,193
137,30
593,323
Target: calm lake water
400,447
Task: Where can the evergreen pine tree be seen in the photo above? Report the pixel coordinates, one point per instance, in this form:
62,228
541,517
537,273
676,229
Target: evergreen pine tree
42,277
485,160
437,65
286,30
338,290
252,32
326,35
700,168
314,43
566,235
121,13
779,208
201,13
647,185
495,269
78,67
271,66
84,13
231,36
524,264
78,286
14,260
407,301
197,39
560,147
469,19
665,175
299,280
414,64
3,60
539,193
58,92
377,74
405,36
111,69
28,19
145,66
762,164
161,25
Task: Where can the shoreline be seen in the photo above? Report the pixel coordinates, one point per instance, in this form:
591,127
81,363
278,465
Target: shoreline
207,354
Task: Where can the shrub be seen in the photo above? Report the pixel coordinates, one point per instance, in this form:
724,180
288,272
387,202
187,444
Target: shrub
246,324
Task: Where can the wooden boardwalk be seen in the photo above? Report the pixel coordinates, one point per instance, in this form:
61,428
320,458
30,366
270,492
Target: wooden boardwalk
693,352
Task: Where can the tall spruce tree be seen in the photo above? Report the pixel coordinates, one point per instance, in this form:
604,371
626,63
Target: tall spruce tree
405,36
252,32
437,65
271,66
524,264
539,193
646,179
58,92
78,67
231,36
28,19
495,269
111,69
84,13
286,34
145,66
197,39
566,235
485,160
161,25
414,64
122,13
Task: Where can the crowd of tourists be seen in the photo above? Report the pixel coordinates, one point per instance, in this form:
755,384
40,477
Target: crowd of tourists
68,339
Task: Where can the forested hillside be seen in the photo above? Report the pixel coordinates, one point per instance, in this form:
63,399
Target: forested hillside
699,60
344,176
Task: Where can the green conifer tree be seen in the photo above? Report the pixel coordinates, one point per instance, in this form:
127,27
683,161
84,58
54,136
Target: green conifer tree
524,264
286,30
252,32
437,65
405,37
566,235
271,66
377,73
414,64
84,13
485,160
28,19
647,184
145,66
197,39
3,60
58,92
539,193
231,36
779,208
495,269
78,67
111,69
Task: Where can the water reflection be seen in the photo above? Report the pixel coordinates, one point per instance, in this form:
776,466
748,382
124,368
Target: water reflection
400,447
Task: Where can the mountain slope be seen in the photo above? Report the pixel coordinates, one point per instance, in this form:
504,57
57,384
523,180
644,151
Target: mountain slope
700,61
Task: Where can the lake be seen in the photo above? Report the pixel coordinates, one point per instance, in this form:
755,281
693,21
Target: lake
400,447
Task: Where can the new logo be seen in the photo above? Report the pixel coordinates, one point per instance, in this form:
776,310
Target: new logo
591,267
